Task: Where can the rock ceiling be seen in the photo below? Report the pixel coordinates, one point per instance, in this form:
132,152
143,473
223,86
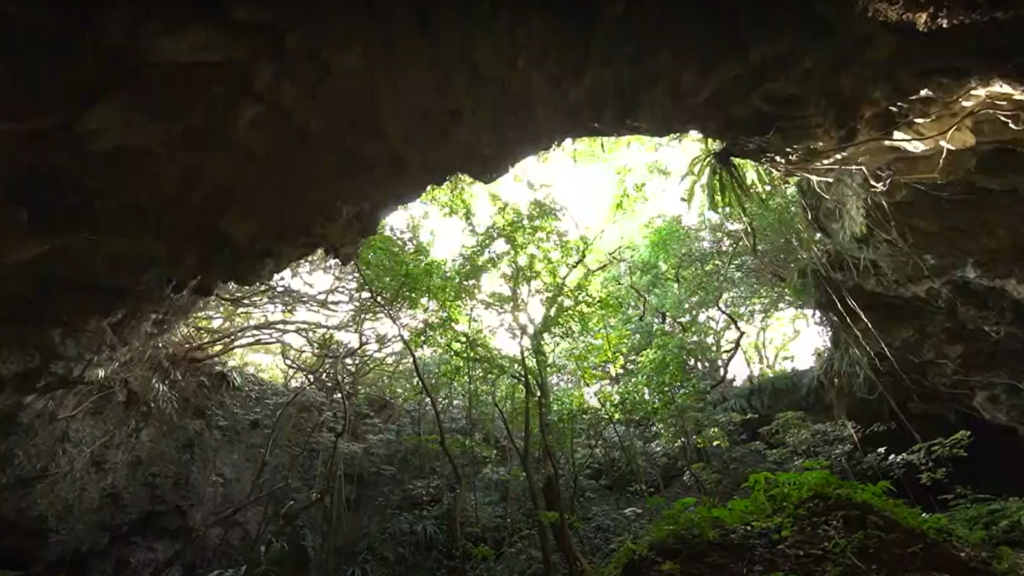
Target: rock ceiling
149,147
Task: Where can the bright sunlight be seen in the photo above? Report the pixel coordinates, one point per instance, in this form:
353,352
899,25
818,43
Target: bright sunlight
590,179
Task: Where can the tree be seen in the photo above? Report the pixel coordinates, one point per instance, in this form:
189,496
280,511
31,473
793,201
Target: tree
401,280
553,351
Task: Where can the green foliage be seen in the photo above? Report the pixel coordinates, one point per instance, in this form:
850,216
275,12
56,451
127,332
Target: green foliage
480,552
669,567
655,503
731,185
1007,561
413,388
999,522
773,394
779,503
796,440
549,517
627,553
780,498
931,460
729,182
540,346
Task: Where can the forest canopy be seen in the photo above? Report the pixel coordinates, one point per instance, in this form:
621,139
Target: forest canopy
620,203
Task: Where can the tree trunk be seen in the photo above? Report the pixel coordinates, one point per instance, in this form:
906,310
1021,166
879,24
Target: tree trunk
553,501
458,498
525,457
457,492
470,387
573,558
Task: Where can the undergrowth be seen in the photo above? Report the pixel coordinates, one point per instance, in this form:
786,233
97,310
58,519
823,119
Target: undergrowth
996,522
812,522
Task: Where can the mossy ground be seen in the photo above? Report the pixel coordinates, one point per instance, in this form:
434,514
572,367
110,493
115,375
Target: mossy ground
808,524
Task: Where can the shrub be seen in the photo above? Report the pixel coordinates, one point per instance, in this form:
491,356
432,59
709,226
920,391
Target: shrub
856,528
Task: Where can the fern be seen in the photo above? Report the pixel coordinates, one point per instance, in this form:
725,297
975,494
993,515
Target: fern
729,183
998,522
777,500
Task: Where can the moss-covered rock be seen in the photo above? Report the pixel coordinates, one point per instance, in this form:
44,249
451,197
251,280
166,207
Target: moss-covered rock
808,523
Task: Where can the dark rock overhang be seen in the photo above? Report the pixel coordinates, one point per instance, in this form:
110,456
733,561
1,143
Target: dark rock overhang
147,147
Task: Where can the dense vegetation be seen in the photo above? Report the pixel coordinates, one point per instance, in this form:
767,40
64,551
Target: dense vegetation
558,399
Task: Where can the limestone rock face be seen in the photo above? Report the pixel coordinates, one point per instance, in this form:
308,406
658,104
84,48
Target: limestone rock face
167,468
925,289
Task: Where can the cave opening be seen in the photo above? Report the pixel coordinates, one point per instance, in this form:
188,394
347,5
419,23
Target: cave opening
689,335
213,358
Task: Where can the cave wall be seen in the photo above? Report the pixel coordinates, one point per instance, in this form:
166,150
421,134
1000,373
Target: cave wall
924,293
134,479
172,468
147,150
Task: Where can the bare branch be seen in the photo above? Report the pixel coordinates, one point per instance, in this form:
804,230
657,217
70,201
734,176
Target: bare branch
735,345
